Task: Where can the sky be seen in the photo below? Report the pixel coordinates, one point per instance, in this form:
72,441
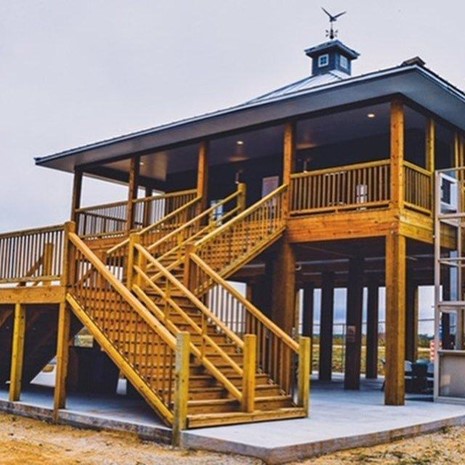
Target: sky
74,72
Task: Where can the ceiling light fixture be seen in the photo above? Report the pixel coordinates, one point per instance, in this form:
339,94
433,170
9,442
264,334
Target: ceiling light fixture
371,115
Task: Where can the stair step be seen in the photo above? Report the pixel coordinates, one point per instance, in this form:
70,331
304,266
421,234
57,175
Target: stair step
212,406
215,419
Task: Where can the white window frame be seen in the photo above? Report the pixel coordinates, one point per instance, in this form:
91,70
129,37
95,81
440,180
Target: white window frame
344,62
323,60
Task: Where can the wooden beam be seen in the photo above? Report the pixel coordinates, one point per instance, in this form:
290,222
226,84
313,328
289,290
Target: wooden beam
288,160
181,393
133,186
304,370
249,370
147,212
283,290
397,154
308,310
394,393
430,145
33,295
372,330
63,340
202,174
77,193
326,327
353,353
17,353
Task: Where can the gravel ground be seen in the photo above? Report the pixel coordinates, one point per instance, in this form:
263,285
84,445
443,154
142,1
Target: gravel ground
32,442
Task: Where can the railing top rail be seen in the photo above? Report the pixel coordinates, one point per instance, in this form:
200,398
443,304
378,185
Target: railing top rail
189,223
102,205
167,337
417,168
339,169
241,215
156,225
254,310
166,195
233,336
27,232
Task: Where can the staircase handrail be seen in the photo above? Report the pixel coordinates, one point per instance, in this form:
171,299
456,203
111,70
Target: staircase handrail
208,364
199,217
270,325
247,212
156,224
123,291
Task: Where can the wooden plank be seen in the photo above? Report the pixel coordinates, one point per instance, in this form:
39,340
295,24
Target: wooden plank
354,324
17,354
33,295
64,324
372,330
181,393
397,154
326,327
202,174
394,393
250,367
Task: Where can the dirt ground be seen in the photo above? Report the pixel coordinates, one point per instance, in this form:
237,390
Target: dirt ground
31,442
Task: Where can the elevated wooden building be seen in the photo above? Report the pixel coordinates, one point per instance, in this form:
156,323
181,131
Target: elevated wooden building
324,183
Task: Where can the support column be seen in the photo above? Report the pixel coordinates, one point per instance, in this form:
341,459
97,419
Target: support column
17,353
430,145
288,162
132,190
411,320
202,174
394,393
353,353
326,326
64,323
77,193
308,310
283,290
147,210
397,154
372,330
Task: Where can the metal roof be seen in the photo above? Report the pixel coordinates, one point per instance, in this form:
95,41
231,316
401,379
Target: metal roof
313,94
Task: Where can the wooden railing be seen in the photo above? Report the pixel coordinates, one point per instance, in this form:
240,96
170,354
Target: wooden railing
277,353
141,346
228,247
174,242
33,255
113,218
418,188
167,308
365,185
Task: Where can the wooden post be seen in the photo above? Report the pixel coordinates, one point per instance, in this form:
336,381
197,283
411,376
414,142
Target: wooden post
326,327
64,323
397,154
47,262
242,196
202,174
283,291
288,162
17,353
77,192
411,320
305,360
133,259
181,393
147,210
249,370
133,186
394,393
430,145
308,310
353,353
372,330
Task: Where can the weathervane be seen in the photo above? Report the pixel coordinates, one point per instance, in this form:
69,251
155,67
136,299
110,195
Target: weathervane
332,19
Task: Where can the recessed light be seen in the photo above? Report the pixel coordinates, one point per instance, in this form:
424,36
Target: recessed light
371,115
240,142
141,163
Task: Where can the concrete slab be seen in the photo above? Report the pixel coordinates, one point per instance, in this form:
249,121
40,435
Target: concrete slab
339,420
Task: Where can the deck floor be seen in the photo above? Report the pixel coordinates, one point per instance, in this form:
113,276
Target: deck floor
339,420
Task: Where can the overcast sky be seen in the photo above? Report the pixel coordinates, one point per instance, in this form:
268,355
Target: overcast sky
74,72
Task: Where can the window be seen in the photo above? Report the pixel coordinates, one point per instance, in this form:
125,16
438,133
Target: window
344,62
323,60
